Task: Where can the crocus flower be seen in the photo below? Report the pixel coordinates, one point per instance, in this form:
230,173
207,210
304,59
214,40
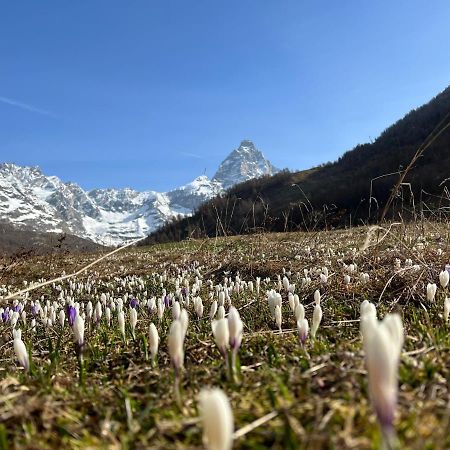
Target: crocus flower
198,306
184,319
62,317
221,335
446,308
278,317
78,330
444,278
175,343
317,297
71,314
299,312
89,310
291,301
20,350
176,310
133,320
382,345
121,321
153,339
303,329
221,312
317,318
235,328
431,291
213,310
217,419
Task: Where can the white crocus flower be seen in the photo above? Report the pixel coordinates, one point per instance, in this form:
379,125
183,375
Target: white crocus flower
217,419
20,350
221,335
446,308
278,318
317,318
431,291
303,330
153,339
133,320
213,310
121,321
444,278
382,345
175,344
78,330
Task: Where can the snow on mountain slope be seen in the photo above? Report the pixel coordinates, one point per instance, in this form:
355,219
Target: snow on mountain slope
29,199
242,164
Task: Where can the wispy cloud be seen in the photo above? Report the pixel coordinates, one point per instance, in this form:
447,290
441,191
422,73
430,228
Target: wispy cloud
191,155
25,106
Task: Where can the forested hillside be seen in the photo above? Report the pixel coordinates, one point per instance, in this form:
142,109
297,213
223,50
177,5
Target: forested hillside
338,194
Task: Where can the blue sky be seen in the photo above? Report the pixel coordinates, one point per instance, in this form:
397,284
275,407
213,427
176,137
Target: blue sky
150,94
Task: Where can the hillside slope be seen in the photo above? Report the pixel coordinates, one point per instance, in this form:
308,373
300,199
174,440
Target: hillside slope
338,193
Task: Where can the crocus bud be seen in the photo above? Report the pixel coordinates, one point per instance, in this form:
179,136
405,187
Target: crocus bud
273,298
121,321
78,330
299,312
213,310
291,301
368,316
444,278
176,310
221,312
217,419
235,328
431,291
133,320
446,308
184,319
303,329
198,305
153,339
221,335
89,309
286,283
20,350
317,297
160,309
62,317
175,344
382,346
317,318
278,318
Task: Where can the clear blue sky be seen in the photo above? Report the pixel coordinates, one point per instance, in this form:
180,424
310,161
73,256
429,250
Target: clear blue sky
150,94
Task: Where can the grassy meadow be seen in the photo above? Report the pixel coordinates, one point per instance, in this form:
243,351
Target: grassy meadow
283,395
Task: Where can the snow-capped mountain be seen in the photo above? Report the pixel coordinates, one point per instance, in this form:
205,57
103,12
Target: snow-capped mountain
29,199
242,164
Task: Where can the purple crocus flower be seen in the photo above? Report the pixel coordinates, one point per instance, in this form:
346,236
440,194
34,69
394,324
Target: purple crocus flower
133,303
34,310
184,292
5,315
71,314
167,301
17,308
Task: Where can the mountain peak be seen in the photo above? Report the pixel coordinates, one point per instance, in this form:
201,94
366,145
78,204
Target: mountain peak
242,164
